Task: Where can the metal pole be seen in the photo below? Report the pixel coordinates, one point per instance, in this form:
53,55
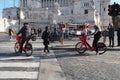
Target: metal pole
4,16
4,24
100,16
103,15
14,3
20,13
4,3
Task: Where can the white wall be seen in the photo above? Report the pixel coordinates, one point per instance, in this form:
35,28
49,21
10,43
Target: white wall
5,24
2,28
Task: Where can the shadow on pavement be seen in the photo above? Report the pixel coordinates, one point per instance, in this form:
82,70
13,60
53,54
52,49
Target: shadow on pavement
9,54
73,49
39,54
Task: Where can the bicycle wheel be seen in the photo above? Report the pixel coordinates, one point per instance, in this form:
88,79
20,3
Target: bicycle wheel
102,48
17,47
28,49
80,47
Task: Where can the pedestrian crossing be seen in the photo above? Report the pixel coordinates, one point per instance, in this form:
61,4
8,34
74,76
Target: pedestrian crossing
19,70
10,57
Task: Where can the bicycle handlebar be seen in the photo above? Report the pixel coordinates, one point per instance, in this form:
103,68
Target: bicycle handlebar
19,38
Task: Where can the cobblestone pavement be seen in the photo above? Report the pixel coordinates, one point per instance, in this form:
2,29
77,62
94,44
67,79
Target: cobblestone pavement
89,66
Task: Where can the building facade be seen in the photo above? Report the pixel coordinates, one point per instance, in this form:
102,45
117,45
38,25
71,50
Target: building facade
10,13
40,13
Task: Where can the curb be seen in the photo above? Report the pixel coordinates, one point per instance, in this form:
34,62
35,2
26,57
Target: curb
73,49
49,69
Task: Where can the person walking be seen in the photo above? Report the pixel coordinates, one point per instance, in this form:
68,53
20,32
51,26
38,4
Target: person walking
55,34
118,36
105,34
97,35
84,31
39,32
11,32
111,35
61,35
45,37
33,31
24,31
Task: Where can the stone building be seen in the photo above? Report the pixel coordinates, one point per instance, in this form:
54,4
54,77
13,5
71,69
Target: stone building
10,13
40,13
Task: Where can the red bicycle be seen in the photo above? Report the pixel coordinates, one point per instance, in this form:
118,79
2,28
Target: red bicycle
82,46
27,47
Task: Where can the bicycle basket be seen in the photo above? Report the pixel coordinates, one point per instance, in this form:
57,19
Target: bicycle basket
83,38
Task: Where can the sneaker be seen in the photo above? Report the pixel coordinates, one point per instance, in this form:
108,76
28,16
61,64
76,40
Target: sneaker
109,46
48,51
112,45
118,45
97,53
44,51
19,52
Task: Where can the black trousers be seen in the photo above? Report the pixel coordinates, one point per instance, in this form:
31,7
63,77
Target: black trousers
21,45
95,43
118,39
46,43
111,41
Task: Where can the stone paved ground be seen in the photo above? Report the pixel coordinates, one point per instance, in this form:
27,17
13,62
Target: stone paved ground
89,66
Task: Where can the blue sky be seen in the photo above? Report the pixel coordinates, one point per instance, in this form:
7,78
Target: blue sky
116,1
10,3
6,4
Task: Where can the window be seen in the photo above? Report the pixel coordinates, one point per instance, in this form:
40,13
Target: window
86,11
8,17
104,9
71,11
86,4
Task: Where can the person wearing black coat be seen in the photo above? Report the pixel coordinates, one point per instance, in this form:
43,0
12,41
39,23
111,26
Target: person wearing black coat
24,31
45,37
111,35
97,35
118,36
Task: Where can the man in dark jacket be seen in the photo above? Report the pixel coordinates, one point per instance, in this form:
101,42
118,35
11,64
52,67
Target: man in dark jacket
45,37
118,36
97,35
24,31
111,35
